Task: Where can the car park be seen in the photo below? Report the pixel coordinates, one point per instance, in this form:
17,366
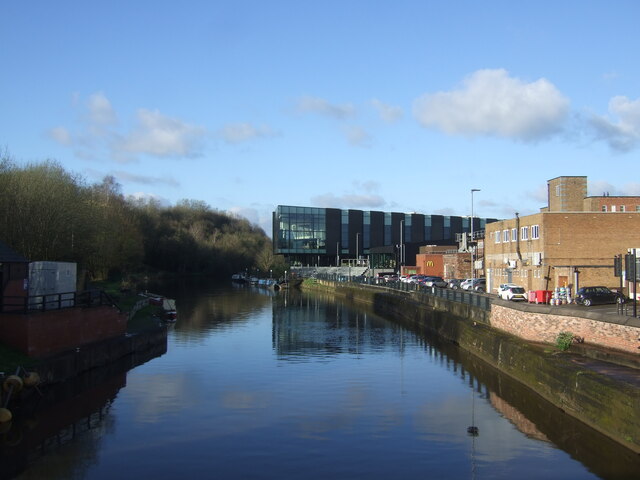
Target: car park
513,293
588,296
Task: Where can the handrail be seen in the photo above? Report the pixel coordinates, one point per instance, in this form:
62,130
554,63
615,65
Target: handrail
56,301
477,299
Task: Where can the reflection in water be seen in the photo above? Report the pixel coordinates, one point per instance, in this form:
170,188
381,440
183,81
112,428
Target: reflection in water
67,421
262,385
310,326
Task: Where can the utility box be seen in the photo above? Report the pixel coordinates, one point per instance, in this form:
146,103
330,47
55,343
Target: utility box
52,285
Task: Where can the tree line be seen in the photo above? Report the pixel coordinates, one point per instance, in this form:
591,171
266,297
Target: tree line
48,213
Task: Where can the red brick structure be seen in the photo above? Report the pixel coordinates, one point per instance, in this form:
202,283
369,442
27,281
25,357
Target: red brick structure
40,334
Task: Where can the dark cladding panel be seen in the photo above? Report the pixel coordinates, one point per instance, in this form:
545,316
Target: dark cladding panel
377,229
437,229
395,227
355,231
456,227
417,228
334,229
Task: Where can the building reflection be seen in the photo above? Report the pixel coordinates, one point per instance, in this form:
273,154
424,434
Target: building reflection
74,414
311,327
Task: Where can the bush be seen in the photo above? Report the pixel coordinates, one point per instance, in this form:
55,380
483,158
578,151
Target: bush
564,340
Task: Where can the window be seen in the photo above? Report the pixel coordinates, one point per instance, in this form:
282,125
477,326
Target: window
505,235
498,236
524,233
604,208
637,208
613,208
535,232
622,208
557,190
514,234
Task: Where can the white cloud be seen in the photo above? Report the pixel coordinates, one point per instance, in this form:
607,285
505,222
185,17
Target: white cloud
323,107
243,132
154,134
99,110
329,200
145,179
144,197
357,136
623,135
159,135
388,113
490,102
61,135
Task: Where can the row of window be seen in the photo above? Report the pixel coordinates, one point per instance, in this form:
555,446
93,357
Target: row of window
622,208
505,236
524,273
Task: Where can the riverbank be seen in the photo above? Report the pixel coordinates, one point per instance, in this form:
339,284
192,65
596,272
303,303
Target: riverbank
605,397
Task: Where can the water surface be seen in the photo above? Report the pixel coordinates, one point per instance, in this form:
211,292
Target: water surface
264,385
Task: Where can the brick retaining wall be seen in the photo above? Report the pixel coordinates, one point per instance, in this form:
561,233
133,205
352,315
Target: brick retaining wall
543,324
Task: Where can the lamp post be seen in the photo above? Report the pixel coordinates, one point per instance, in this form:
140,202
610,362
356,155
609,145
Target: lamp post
337,254
401,244
473,250
357,247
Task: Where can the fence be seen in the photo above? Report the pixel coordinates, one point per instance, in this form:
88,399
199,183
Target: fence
476,299
55,301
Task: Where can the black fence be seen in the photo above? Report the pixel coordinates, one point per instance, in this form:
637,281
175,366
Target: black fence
476,299
55,301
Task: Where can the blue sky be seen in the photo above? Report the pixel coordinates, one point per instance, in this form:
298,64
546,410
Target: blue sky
395,106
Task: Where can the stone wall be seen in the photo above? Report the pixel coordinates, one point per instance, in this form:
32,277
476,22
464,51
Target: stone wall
539,324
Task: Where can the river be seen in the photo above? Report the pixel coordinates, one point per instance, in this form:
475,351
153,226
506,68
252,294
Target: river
262,385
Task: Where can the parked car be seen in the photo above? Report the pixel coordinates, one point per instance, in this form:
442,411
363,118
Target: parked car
588,296
432,281
474,284
480,285
466,283
454,283
390,278
503,286
513,293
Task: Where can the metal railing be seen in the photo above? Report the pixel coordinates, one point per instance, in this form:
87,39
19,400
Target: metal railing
476,299
55,301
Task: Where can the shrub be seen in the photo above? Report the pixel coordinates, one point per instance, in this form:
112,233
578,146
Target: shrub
564,340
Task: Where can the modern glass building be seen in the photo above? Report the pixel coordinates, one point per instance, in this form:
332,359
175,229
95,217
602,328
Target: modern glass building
325,236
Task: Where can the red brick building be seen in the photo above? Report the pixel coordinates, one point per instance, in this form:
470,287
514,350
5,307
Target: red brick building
572,242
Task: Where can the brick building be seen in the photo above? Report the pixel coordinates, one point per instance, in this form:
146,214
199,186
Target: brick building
571,242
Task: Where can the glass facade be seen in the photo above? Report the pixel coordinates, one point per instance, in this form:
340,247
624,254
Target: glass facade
387,228
301,230
344,238
407,228
325,236
447,227
366,220
427,227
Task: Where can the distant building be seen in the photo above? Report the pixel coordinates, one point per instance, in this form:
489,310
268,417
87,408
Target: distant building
327,236
570,243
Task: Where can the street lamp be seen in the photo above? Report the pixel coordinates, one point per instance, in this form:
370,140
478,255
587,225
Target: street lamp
401,244
357,247
473,250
